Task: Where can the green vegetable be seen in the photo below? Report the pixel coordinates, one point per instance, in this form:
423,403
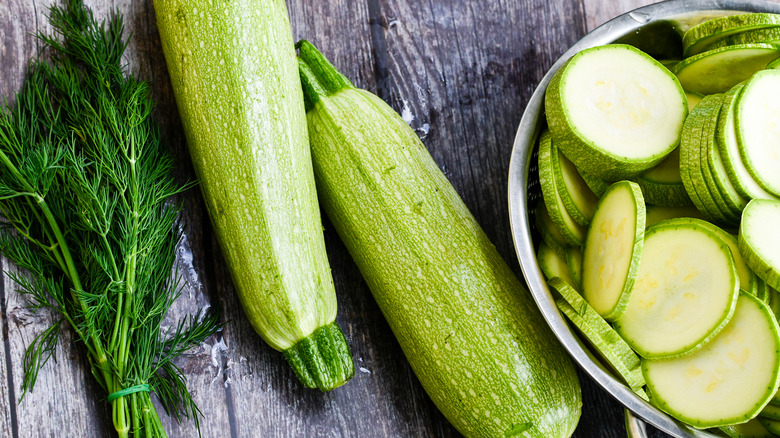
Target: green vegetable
235,77
612,249
614,111
697,38
466,324
730,380
567,226
85,182
685,290
758,240
609,345
716,71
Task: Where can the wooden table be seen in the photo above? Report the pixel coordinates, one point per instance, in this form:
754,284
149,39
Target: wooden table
461,72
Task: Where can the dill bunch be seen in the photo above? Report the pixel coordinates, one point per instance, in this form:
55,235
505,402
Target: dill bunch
85,188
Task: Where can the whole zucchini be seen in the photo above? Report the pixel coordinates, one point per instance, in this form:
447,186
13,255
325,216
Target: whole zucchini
469,328
234,75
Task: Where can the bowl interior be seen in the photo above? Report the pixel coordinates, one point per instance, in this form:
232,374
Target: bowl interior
657,30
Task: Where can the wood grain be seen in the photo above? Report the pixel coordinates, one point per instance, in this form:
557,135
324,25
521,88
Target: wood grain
460,72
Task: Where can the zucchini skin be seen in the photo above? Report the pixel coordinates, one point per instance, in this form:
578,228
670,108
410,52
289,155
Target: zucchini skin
234,74
466,324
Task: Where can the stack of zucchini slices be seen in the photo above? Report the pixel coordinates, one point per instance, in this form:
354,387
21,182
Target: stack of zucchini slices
661,190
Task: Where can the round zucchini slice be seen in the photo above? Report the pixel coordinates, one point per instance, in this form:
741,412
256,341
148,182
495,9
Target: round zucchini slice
730,379
614,111
685,290
610,255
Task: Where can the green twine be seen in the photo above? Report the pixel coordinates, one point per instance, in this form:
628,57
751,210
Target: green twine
127,391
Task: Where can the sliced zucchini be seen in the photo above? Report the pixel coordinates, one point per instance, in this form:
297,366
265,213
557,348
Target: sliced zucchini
614,111
751,429
574,260
572,232
728,146
774,64
730,379
758,130
769,35
716,71
607,343
759,241
729,203
553,264
579,199
612,248
685,291
662,185
710,31
690,162
549,232
657,214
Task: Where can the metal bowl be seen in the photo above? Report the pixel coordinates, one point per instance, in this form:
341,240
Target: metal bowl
657,30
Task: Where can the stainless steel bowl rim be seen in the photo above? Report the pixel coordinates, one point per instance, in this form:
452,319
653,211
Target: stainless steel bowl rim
518,195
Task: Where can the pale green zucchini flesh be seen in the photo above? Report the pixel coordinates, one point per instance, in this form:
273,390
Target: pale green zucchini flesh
685,290
235,78
758,133
729,149
470,330
612,249
759,241
615,111
727,381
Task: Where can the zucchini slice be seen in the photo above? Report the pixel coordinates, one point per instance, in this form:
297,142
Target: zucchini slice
700,36
607,343
758,131
716,71
612,249
729,204
572,232
685,290
759,241
730,379
662,185
769,35
614,111
553,264
579,199
550,234
690,163
728,146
